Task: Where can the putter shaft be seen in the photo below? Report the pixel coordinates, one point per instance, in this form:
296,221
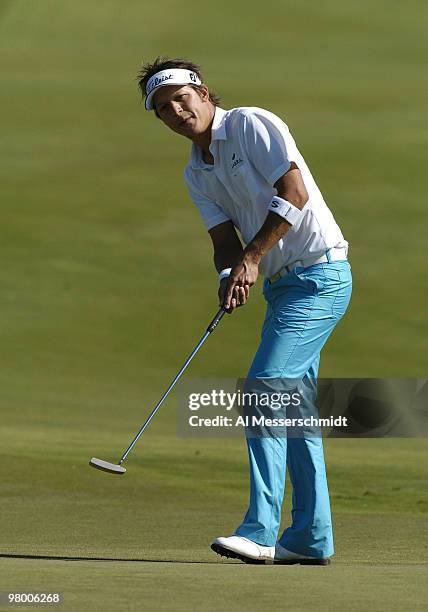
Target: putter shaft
211,327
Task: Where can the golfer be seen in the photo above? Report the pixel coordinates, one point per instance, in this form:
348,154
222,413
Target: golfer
249,181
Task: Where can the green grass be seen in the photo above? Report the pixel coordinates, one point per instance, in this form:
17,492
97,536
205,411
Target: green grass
153,526
107,282
165,586
85,168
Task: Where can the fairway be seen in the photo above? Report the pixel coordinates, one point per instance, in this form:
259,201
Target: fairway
107,284
184,586
150,530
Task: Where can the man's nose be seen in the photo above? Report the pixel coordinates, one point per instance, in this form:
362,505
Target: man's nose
176,108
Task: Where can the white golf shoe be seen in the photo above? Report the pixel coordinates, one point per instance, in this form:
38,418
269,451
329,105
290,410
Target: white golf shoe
287,557
237,547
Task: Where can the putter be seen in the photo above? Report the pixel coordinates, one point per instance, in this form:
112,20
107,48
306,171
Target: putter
117,468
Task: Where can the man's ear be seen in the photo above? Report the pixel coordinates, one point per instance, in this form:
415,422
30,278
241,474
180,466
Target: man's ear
205,94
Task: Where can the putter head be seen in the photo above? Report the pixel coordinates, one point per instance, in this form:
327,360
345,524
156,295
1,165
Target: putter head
106,466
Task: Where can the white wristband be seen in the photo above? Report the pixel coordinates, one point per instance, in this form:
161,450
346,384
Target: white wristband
224,274
285,209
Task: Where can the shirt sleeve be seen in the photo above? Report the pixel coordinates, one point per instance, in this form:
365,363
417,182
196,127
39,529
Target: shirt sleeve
212,214
268,144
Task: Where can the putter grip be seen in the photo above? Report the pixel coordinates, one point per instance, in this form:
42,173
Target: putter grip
211,327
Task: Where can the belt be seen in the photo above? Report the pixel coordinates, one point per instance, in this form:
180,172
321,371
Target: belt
329,256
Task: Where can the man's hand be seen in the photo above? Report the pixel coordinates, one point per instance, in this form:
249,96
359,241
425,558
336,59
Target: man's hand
235,289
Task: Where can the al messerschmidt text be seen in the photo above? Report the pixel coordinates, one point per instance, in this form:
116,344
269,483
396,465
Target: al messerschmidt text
262,421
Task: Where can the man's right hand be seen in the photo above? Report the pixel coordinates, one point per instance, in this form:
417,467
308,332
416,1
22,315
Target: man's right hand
239,298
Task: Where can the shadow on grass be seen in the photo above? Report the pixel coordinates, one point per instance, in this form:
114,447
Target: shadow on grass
64,558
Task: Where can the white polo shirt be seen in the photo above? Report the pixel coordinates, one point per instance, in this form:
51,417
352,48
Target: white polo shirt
252,149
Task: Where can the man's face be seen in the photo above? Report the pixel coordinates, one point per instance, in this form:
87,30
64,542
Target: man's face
183,109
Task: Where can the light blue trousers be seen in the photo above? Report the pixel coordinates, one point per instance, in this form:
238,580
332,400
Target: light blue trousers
302,310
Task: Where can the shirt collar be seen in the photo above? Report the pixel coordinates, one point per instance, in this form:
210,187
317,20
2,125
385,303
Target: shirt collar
218,132
218,129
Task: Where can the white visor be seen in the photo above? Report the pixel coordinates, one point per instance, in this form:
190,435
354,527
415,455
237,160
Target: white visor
175,76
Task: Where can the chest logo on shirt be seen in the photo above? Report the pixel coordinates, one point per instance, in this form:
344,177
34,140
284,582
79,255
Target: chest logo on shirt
236,161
